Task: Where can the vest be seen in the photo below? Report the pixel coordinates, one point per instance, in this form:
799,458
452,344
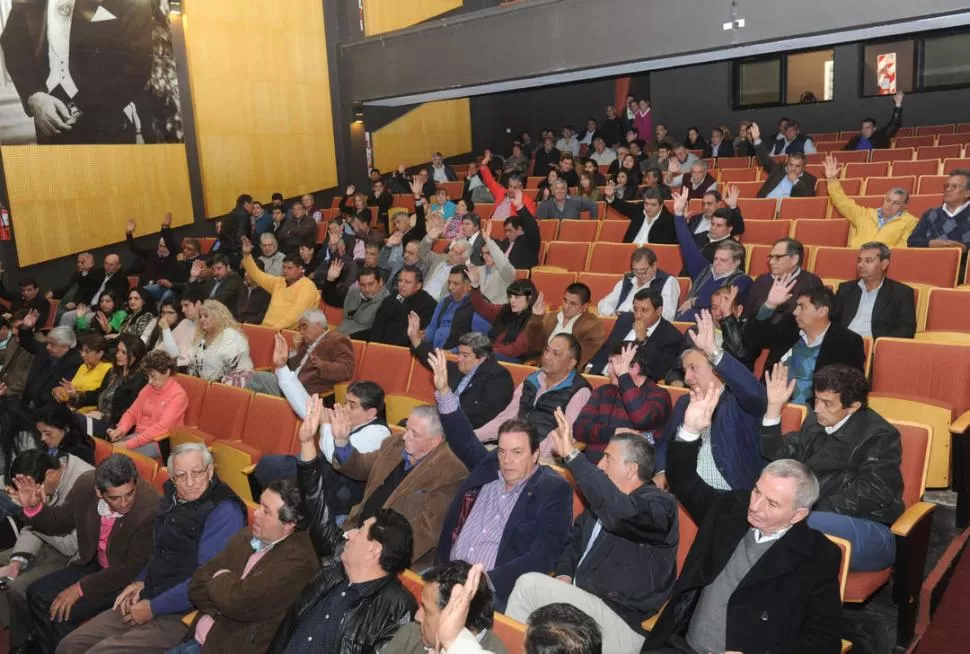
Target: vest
178,532
795,147
347,492
657,284
707,274
541,413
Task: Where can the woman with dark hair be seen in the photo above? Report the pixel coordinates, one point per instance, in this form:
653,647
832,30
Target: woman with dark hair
355,204
694,140
106,320
310,257
509,321
92,371
141,316
117,392
629,164
169,316
588,188
160,406
60,433
453,226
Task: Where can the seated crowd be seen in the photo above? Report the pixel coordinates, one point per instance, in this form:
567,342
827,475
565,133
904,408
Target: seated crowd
475,491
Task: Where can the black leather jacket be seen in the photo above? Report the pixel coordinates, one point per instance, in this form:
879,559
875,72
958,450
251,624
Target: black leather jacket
732,331
375,618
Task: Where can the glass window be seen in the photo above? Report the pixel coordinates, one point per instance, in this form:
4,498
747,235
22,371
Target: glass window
945,62
809,76
759,82
888,67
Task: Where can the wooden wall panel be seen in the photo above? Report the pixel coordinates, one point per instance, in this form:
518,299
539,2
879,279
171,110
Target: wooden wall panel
388,15
261,96
444,126
69,198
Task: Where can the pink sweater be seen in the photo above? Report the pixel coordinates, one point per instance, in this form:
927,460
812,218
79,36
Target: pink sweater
154,413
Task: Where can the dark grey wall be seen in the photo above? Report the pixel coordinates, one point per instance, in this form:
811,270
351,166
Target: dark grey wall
713,105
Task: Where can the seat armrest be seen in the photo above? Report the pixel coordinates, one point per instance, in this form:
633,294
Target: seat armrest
911,517
651,622
961,425
162,437
189,618
248,470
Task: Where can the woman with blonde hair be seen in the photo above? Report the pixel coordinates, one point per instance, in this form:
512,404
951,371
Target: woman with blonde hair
221,349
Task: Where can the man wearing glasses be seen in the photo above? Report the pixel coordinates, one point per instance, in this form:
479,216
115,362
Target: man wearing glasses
784,262
197,516
948,225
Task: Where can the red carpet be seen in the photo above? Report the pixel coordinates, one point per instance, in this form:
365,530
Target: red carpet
947,631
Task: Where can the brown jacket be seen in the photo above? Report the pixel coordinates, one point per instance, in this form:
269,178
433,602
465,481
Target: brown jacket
129,544
336,363
248,611
424,495
588,330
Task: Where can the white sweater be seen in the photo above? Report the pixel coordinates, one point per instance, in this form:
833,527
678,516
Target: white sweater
227,353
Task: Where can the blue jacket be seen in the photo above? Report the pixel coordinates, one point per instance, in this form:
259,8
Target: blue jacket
701,273
439,331
536,531
263,224
736,426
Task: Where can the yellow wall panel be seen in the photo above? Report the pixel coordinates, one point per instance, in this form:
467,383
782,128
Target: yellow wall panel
445,126
68,198
261,96
388,15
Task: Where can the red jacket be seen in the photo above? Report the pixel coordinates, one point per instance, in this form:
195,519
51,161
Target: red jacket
499,192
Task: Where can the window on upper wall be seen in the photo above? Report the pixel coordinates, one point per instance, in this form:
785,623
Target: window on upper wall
778,80
927,62
945,61
888,67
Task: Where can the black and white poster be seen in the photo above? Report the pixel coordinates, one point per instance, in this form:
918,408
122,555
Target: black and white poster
88,72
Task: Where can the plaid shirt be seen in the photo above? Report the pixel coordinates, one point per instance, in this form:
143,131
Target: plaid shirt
643,408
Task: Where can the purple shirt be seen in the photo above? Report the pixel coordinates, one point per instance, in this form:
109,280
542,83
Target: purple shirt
481,534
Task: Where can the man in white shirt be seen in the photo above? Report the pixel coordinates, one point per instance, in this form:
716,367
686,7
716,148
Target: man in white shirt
602,155
681,160
179,341
644,273
568,142
872,304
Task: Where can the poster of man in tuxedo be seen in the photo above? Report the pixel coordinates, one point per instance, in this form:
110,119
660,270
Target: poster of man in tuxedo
88,72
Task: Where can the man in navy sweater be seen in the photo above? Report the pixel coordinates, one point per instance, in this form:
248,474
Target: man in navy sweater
729,458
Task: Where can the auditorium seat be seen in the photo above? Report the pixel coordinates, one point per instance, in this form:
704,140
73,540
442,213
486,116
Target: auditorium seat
934,129
687,532
881,185
223,413
950,164
906,131
579,503
796,208
195,388
765,232
756,258
102,449
270,427
917,168
936,266
531,193
758,208
578,230
600,285
749,189
387,365
931,183
867,169
484,210
924,201
158,481
441,244
206,243
732,162
549,230
819,232
893,154
612,231
829,145
552,285
939,152
399,407
844,156
948,310
145,465
962,138
231,464
825,136
851,186
610,257
566,255
533,182
518,371
262,342
921,141
732,175
454,189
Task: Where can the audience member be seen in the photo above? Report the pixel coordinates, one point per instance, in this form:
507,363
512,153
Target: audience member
112,511
140,321
522,241
440,171
660,341
160,406
243,592
80,287
503,195
854,453
870,137
810,342
297,228
562,205
546,157
631,524
60,435
391,322
454,314
556,384
290,295
573,318
92,370
728,458
568,142
441,204
107,319
793,141
197,516
742,143
631,402
235,227
160,268
363,301
29,298
785,261
891,223
473,182
260,222
179,341
718,146
497,272
681,160
874,305
382,199
694,140
272,258
651,223
644,273
949,224
439,265
252,301
739,531
782,181
220,349
57,359
223,285
35,555
15,362
509,333
698,181
600,153
726,314
118,389
482,524
612,128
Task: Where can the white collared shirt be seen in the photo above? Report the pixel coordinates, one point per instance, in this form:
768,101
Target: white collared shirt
761,538
809,342
951,214
562,328
862,321
643,236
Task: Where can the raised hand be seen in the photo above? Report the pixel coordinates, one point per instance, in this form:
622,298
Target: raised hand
732,195
474,275
30,320
436,226
898,98
414,328
562,436
754,132
335,269
779,388
681,200
487,158
28,493
340,424
394,239
704,338
780,292
81,310
167,219
130,226
539,308
831,167
452,618
281,352
621,365
673,166
486,229
314,415
416,188
439,366
351,189
515,196
699,412
246,245
198,267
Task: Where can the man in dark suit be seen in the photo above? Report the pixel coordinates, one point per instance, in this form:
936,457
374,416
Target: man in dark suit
649,223
717,146
224,285
522,241
785,261
534,532
471,177
757,577
81,286
661,341
81,97
871,137
391,323
235,225
474,371
789,180
110,277
874,305
809,342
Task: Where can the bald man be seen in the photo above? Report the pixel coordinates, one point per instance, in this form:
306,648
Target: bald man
110,276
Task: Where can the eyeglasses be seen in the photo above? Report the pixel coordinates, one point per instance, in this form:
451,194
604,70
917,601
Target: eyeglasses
168,312
191,476
776,257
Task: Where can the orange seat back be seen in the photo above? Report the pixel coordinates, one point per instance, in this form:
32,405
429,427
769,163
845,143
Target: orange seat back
578,230
196,389
898,153
600,284
518,371
224,411
834,233
906,367
387,365
552,284
549,230
795,208
949,310
915,441
610,257
758,208
510,632
882,185
612,231
687,529
270,425
765,232
145,465
102,449
262,341
566,255
158,481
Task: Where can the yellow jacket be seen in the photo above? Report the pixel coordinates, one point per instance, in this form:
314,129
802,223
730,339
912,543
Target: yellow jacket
864,221
89,379
286,303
